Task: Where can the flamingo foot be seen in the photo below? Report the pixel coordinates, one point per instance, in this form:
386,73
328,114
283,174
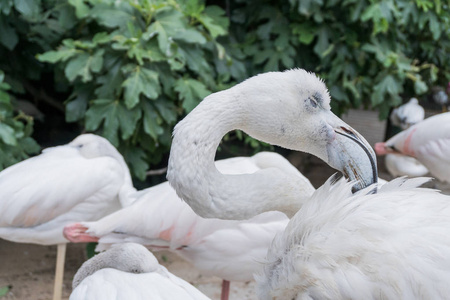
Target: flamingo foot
76,233
225,290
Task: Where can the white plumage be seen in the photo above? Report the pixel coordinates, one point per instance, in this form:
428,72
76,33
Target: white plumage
158,219
407,114
78,181
427,141
129,271
81,181
389,245
393,244
404,117
401,165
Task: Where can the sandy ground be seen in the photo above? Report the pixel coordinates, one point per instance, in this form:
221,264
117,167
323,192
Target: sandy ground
29,269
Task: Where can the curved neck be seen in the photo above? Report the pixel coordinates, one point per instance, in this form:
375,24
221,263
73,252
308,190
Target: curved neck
91,266
193,175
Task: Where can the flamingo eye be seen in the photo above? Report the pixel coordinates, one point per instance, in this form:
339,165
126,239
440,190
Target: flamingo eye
313,102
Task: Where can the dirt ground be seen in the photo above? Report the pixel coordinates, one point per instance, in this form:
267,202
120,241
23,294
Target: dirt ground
29,269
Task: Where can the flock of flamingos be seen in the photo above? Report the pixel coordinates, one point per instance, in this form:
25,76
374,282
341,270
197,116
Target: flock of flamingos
248,218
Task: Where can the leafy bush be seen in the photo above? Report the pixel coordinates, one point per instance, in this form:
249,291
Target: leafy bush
129,70
370,53
15,130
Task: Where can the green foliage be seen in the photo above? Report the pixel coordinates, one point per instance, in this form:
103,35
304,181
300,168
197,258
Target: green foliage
371,53
129,70
15,130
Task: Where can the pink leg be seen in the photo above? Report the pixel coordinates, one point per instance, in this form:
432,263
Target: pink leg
225,290
76,233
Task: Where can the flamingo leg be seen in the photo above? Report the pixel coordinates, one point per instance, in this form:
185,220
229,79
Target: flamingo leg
225,290
59,272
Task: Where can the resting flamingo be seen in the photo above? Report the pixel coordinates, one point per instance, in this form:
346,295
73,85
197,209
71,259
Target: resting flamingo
405,116
427,141
129,271
158,219
390,244
83,180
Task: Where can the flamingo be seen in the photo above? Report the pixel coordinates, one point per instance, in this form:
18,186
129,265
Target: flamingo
404,117
427,141
401,165
129,271
83,180
390,245
347,240
231,250
408,114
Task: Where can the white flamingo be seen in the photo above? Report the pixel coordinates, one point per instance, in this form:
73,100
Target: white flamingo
335,231
401,165
427,141
83,180
129,271
405,116
158,219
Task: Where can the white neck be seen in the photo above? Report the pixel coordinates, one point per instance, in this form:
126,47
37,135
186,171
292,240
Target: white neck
91,266
211,194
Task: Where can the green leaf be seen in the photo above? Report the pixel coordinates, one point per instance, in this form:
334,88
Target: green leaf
110,16
166,109
81,9
306,32
55,56
28,8
168,22
76,107
388,85
110,83
190,36
151,121
114,116
8,35
420,87
96,61
214,19
191,91
322,43
143,81
7,135
83,65
137,160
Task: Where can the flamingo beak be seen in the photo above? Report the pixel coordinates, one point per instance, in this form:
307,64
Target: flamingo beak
351,154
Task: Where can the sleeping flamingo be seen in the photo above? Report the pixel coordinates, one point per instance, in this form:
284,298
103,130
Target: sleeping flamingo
158,219
345,242
83,180
129,271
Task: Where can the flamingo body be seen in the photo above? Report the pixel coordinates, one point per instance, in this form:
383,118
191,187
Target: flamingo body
402,165
229,249
407,114
389,245
41,195
155,282
427,141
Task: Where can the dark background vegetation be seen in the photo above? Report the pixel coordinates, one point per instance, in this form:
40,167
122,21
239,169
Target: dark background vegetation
129,70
